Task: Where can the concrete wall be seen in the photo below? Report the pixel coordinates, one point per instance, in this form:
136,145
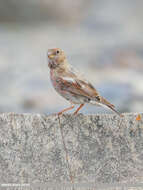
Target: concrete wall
101,149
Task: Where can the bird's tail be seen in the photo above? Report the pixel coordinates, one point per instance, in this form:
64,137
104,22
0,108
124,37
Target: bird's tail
109,105
104,103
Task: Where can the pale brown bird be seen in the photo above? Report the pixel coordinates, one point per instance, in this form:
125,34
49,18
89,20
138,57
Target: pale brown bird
72,85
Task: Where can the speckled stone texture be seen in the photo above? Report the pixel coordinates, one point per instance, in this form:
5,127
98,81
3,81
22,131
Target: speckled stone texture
102,149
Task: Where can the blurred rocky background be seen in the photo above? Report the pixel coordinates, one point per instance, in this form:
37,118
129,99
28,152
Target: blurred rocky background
103,39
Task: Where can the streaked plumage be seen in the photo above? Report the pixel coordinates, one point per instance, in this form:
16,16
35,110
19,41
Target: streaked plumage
71,84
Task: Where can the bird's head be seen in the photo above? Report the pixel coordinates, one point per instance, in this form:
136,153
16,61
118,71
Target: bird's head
56,58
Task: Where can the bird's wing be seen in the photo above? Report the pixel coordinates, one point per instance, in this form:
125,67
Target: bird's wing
81,87
78,87
84,89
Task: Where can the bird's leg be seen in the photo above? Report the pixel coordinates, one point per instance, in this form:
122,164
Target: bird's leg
65,110
78,109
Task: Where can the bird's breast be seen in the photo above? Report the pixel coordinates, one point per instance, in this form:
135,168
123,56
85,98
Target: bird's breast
54,79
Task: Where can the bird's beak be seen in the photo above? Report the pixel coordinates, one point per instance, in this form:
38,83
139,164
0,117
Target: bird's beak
50,55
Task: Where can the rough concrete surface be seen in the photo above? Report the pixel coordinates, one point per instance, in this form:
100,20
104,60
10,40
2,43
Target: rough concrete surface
101,149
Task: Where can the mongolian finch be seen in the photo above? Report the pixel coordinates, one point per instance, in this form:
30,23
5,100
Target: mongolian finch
72,85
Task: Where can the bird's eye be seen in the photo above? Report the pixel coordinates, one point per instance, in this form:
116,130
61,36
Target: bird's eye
58,51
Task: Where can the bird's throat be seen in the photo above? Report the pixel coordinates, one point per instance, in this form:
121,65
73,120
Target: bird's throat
52,64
